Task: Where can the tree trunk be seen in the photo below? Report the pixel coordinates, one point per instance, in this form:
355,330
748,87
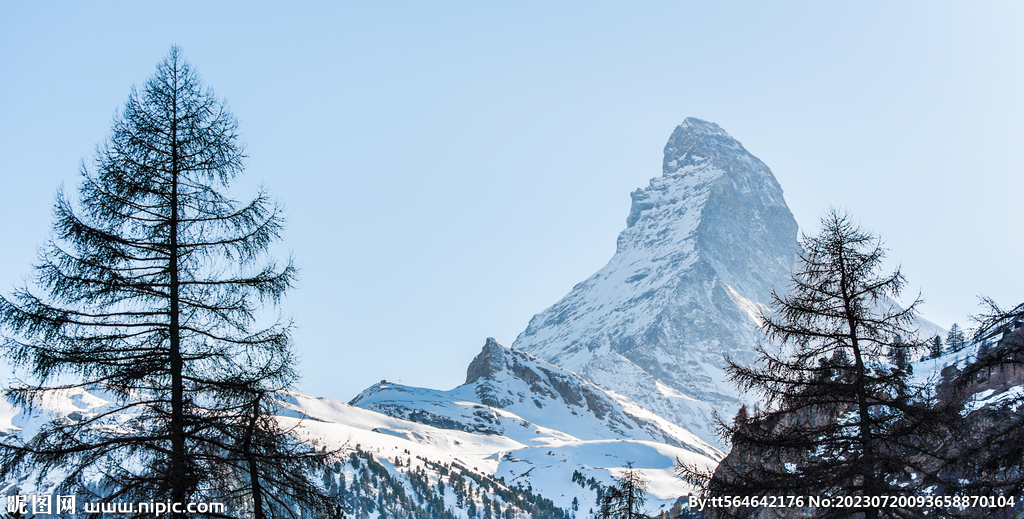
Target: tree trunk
868,458
254,474
178,454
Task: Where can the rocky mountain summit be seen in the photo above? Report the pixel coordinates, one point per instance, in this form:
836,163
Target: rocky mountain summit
704,246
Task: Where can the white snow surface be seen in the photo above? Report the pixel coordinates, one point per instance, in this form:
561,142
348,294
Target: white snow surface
514,394
928,372
531,454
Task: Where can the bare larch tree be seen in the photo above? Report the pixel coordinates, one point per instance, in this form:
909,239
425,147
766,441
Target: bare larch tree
839,417
149,293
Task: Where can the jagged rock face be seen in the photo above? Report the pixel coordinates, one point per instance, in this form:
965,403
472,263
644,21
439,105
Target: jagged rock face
514,394
705,245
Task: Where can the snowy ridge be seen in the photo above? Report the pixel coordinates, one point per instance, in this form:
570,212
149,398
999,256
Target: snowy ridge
536,457
704,246
514,394
546,462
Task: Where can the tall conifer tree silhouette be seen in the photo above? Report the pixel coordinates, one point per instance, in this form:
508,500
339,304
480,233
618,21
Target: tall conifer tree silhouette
149,293
841,418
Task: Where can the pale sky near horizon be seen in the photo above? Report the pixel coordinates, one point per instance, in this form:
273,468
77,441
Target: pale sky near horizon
451,169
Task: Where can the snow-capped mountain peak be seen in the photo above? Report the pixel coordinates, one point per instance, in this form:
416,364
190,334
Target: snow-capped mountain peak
704,246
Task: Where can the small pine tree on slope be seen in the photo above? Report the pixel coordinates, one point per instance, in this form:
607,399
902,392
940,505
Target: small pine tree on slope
935,344
988,456
625,499
955,338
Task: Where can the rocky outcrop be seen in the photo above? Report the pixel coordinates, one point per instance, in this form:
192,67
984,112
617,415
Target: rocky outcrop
515,394
488,362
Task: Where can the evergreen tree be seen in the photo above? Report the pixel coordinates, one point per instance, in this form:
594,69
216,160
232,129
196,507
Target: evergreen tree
899,356
273,469
955,338
149,293
935,345
606,500
839,419
742,417
625,499
989,455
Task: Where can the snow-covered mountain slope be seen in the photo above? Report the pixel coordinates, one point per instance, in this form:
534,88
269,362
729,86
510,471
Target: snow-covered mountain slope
393,462
705,244
546,463
514,394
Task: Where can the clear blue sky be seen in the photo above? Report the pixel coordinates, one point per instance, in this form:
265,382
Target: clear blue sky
452,168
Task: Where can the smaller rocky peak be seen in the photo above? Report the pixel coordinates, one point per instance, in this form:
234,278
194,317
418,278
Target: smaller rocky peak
489,361
370,392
